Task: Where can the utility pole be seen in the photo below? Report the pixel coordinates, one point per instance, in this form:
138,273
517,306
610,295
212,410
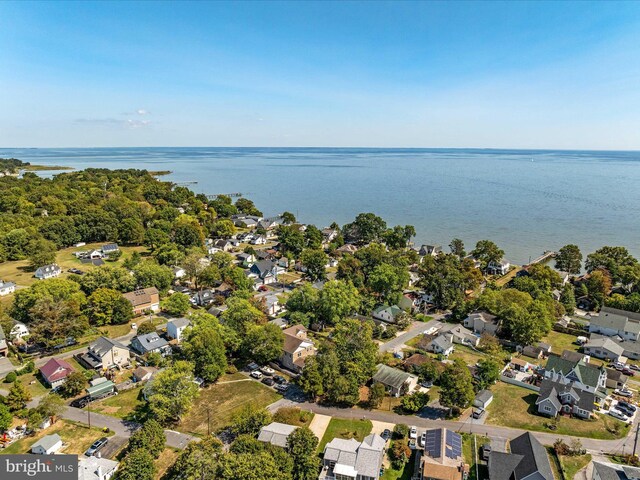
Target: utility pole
635,441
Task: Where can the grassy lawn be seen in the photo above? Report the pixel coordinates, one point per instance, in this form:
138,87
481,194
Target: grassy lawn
561,341
293,416
31,381
345,428
405,473
470,454
572,465
223,400
469,356
514,407
77,438
166,459
502,281
122,405
555,464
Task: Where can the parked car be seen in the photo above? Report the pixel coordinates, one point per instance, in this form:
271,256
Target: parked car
422,440
478,413
627,405
268,381
267,370
281,387
618,365
253,366
413,433
486,450
76,271
426,384
412,444
623,392
386,434
628,372
635,367
256,374
262,288
96,446
279,379
81,402
619,415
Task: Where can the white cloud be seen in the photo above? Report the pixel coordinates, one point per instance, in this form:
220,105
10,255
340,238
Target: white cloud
142,111
137,123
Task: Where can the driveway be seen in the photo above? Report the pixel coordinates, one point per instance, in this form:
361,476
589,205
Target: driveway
319,425
416,329
5,366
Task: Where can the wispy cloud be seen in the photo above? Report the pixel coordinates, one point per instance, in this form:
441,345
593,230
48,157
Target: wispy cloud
138,123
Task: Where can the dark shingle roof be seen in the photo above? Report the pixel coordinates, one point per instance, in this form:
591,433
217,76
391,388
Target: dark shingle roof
534,457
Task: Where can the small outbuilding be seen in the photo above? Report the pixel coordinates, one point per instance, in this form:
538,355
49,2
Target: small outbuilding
483,399
47,445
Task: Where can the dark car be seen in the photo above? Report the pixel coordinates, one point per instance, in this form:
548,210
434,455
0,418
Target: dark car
627,405
97,445
279,379
486,450
76,271
253,366
268,381
628,372
281,387
386,435
81,402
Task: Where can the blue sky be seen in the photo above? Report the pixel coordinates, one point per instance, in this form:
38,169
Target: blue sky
389,74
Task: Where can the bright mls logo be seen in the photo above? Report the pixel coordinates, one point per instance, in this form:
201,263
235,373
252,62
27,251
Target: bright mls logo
40,467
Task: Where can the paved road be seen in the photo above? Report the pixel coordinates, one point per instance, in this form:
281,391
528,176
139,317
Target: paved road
597,447
416,329
122,428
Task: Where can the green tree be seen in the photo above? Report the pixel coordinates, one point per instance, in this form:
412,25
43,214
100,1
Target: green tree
312,381
41,252
598,285
176,305
155,237
137,465
568,299
18,397
149,437
250,419
259,466
337,300
291,239
303,299
415,402
487,372
486,252
457,248
172,392
187,232
399,236
247,207
313,237
223,228
301,446
388,282
569,259
446,278
203,345
456,385
314,262
366,228
198,461
73,385
610,259
108,306
263,343
240,314
376,395
6,417
288,217
150,274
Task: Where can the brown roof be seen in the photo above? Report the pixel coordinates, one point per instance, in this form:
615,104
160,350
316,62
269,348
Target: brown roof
441,472
416,360
293,337
145,296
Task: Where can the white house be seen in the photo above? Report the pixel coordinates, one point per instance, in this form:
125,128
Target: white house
47,445
441,345
96,468
498,268
481,322
386,313
19,330
176,327
48,271
612,322
7,287
178,272
259,240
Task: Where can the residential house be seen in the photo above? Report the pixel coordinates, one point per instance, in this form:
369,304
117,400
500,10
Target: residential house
4,348
616,379
104,354
217,310
96,468
203,298
48,271
47,445
110,248
537,351
328,236
144,374
415,361
176,327
483,399
429,250
459,334
347,248
55,372
613,322
246,259
19,331
276,434
259,240
441,345
584,376
265,271
6,288
386,313
569,398
297,347
604,348
576,357
528,460
146,299
396,382
353,460
481,322
443,458
614,471
271,305
150,343
178,273
498,268
245,221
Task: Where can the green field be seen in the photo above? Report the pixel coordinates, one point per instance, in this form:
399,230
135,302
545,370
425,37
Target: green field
345,428
514,407
222,401
122,405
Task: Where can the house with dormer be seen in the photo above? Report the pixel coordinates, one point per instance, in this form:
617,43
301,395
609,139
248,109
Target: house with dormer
564,398
296,349
613,322
583,375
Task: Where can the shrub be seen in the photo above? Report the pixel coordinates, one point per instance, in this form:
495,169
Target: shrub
400,431
10,378
292,416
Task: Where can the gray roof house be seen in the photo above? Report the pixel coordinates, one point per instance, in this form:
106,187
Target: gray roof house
442,345
459,334
603,347
614,471
483,399
353,460
48,271
176,327
395,381
47,445
96,468
276,434
429,250
612,322
584,375
528,460
105,353
556,397
481,322
150,342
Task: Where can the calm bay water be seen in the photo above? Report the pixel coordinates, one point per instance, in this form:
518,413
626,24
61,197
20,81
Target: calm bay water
526,201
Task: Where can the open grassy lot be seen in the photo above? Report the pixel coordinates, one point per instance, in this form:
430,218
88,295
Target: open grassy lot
468,355
293,416
345,428
561,341
76,438
32,382
122,405
223,400
405,473
166,459
470,454
572,465
514,407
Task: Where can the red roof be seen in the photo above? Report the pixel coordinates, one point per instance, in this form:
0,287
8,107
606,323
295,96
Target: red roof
55,369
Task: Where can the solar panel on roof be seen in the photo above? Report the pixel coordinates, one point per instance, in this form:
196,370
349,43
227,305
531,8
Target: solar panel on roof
433,443
454,443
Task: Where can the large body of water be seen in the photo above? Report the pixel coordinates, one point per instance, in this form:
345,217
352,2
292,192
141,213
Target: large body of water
526,201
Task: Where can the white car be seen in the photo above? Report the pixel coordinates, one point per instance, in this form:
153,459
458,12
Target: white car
413,433
623,393
256,374
619,415
422,440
